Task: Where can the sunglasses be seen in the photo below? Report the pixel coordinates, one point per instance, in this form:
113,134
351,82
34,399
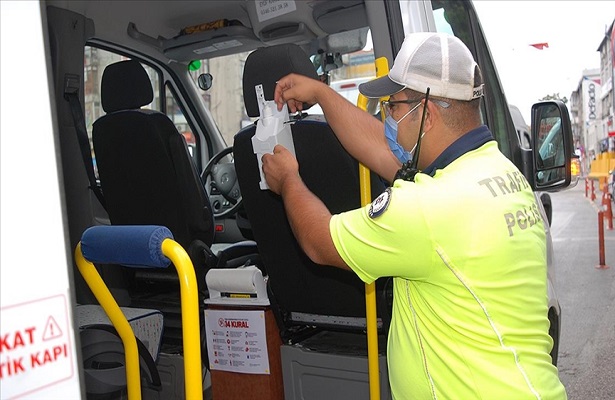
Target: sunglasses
387,105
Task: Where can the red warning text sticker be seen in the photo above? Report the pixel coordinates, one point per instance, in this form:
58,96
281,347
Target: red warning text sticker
35,346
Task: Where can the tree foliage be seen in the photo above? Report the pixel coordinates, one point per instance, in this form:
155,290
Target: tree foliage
555,96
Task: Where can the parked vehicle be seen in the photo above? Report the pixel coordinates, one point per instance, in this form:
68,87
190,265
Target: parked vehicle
93,54
349,88
523,129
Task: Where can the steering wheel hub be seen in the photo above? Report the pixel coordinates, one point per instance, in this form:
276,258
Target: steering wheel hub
223,182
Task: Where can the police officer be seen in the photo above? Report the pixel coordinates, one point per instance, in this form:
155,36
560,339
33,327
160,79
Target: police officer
463,238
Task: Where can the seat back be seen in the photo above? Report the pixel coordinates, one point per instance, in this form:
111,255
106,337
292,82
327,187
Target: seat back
149,178
306,293
145,169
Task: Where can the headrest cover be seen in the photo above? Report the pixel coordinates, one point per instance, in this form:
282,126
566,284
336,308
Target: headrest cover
125,86
130,245
267,65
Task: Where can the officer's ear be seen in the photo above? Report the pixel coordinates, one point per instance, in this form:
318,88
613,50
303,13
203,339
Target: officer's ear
431,116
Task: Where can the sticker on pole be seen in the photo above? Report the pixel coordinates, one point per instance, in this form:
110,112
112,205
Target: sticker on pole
236,341
35,346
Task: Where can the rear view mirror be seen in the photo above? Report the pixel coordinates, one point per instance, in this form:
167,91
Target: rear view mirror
552,145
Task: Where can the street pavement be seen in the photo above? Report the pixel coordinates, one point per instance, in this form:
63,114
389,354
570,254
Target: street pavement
586,296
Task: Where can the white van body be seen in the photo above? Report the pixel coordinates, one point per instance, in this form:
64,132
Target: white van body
40,353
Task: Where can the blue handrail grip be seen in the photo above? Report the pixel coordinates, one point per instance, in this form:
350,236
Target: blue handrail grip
137,246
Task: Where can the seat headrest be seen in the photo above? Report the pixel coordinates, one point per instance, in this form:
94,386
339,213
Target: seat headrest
125,86
267,65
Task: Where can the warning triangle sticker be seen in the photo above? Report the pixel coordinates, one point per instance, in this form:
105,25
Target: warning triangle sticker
52,329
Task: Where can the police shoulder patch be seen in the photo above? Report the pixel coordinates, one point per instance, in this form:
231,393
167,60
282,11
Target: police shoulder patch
380,204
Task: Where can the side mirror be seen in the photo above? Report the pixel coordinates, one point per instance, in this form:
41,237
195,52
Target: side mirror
205,81
552,145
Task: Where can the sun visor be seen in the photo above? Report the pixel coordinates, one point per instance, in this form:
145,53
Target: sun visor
201,44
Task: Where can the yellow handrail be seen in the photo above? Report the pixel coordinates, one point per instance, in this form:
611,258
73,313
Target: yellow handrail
190,319
119,321
382,68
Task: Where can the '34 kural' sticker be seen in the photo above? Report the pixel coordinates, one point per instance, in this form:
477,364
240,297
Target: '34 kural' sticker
380,204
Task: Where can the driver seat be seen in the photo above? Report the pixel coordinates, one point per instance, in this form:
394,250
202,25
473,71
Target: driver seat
303,294
149,178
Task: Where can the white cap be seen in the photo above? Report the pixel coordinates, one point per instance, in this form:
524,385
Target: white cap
438,61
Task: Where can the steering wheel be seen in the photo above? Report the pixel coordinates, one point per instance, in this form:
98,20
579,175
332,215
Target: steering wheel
224,180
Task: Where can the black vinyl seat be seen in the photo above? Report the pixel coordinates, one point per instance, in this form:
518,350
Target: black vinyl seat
304,293
149,178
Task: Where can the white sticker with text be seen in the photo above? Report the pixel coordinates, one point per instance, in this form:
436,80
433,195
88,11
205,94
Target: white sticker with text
35,346
236,341
267,9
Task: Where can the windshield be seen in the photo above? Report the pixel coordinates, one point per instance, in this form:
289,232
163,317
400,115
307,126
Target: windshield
225,97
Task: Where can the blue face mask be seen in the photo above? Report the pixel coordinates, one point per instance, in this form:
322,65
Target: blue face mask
390,132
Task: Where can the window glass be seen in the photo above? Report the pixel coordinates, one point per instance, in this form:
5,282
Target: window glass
176,114
352,69
224,99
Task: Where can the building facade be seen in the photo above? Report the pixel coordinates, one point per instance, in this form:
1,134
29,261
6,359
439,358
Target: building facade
607,96
585,109
592,106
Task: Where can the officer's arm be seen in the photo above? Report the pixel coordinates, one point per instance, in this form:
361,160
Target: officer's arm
360,133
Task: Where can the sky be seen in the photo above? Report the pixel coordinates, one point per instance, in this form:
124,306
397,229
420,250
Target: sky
573,30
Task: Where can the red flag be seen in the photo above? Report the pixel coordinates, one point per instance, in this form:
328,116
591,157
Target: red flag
540,46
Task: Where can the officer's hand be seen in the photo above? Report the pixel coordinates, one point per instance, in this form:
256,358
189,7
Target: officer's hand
295,90
279,167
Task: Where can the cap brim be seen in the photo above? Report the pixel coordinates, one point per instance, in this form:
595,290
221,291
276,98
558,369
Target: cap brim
381,87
